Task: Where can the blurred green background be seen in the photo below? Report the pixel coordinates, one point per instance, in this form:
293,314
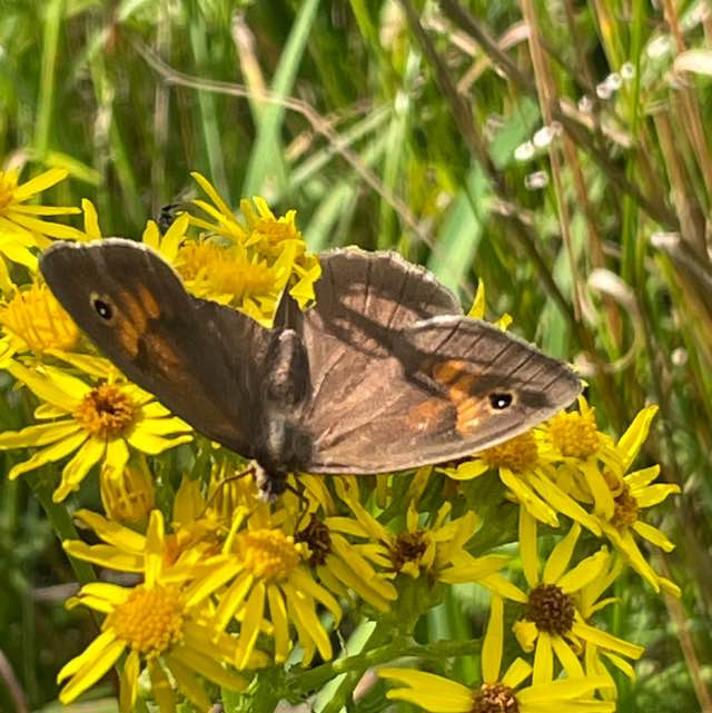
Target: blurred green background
559,151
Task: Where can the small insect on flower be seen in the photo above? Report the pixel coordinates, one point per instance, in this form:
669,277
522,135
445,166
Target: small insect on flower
164,623
497,693
99,423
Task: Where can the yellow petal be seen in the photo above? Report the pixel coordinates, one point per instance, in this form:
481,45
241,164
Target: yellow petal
49,455
654,494
434,693
528,547
76,470
302,607
528,498
152,444
607,641
38,435
155,548
254,611
128,682
567,657
466,471
526,634
208,667
494,641
584,572
631,441
652,534
104,555
278,616
91,220
543,659
518,671
161,688
560,556
39,183
566,689
96,662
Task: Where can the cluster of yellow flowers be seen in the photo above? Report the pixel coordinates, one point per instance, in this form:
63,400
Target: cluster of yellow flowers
224,592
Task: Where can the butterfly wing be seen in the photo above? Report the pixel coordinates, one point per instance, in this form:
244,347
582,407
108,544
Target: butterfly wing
200,359
400,380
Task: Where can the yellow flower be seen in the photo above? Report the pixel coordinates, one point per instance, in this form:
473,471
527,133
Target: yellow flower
635,493
162,623
477,311
553,625
22,226
272,571
98,423
128,495
497,694
261,233
588,602
524,465
32,320
583,450
337,563
435,552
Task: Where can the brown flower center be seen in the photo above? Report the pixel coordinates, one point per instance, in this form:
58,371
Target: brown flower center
106,411
626,509
408,547
551,609
318,538
495,698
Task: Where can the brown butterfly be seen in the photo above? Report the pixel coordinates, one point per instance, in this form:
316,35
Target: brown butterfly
383,373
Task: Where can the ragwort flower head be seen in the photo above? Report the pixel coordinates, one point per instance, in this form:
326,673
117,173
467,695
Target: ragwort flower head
22,226
497,693
262,233
163,623
272,573
32,320
98,423
335,561
636,492
552,623
525,465
435,552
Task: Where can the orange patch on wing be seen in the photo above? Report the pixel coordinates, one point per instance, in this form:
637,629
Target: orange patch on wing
428,415
469,413
148,302
161,354
135,311
459,378
128,335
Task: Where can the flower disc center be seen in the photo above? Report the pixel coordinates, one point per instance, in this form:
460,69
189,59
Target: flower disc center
408,547
551,609
150,620
106,411
268,554
495,698
574,434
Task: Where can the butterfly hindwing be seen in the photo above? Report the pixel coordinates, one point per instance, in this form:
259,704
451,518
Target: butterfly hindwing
399,379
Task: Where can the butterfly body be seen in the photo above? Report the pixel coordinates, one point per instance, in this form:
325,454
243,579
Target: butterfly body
383,373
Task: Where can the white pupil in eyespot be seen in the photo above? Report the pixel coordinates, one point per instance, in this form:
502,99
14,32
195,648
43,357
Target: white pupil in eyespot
500,401
103,309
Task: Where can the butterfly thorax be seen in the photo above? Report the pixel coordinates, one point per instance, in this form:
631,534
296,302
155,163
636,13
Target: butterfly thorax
284,446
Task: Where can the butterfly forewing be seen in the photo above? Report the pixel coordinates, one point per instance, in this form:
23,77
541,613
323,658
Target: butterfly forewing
200,359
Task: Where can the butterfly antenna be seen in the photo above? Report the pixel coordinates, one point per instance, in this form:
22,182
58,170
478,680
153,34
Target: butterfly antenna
249,470
303,504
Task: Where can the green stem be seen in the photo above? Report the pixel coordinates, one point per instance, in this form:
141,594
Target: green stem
61,522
